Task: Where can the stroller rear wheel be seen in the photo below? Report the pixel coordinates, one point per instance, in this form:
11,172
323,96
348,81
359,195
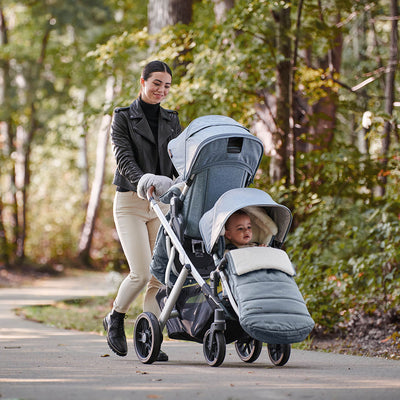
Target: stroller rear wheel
248,349
147,337
214,348
279,354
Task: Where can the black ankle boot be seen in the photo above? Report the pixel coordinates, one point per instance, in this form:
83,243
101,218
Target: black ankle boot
114,325
162,356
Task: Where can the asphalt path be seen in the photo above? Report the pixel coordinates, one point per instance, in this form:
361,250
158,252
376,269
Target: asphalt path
38,362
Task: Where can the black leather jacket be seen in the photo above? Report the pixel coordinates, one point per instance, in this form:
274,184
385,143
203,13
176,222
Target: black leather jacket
135,150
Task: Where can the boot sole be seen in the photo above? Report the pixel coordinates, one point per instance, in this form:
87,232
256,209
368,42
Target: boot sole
110,345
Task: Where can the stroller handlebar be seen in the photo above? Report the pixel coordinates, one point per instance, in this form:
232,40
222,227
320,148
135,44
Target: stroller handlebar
150,193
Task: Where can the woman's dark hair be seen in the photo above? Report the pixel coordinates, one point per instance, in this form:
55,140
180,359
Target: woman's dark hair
155,66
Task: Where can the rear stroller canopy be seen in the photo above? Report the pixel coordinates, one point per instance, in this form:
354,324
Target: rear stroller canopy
186,153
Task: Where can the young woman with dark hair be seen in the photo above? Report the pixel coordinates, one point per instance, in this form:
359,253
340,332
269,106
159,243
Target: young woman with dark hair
139,135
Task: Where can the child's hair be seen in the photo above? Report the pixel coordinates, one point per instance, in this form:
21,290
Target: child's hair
237,212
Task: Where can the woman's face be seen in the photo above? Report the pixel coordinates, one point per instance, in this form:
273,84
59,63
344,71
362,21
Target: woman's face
156,87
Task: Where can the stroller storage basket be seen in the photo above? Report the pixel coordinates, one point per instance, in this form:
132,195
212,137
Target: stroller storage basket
195,314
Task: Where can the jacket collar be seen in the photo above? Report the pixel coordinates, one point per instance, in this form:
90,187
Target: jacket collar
135,111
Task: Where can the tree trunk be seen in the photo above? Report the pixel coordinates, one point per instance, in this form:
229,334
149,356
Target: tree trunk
279,167
8,134
273,125
83,157
295,115
85,242
221,7
389,92
32,78
162,13
26,153
4,252
322,130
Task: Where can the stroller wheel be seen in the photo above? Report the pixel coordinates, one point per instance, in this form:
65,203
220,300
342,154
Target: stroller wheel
279,354
214,348
147,337
248,349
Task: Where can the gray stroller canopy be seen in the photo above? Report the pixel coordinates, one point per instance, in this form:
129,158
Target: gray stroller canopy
204,133
212,223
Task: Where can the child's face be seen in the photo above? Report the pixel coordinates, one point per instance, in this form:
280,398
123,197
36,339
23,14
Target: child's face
238,230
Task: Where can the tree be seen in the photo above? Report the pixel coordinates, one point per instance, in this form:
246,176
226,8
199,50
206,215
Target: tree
279,163
6,145
221,7
162,13
36,82
390,90
85,241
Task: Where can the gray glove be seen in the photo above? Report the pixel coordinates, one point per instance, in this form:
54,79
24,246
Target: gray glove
161,184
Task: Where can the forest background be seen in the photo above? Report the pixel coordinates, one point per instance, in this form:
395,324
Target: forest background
316,80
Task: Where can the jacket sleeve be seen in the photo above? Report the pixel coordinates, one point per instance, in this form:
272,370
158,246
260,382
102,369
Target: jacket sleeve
122,146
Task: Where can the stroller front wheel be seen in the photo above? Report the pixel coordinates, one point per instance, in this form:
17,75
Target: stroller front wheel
147,337
214,348
248,349
279,354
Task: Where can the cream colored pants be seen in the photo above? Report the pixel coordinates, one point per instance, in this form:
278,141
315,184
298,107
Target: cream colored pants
137,226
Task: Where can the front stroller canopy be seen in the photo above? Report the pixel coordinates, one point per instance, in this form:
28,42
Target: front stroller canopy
213,221
209,141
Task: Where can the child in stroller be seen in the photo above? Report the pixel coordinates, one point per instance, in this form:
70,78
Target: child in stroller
238,231
217,159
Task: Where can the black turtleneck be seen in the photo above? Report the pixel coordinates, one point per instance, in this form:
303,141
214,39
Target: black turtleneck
151,111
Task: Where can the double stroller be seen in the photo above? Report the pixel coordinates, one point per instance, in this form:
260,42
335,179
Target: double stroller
213,296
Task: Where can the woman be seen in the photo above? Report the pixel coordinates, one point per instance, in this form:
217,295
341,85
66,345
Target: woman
139,135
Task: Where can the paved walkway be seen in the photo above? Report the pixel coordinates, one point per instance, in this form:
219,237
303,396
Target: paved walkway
43,363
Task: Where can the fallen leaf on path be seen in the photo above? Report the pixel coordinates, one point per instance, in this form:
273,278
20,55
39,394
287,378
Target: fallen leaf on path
142,372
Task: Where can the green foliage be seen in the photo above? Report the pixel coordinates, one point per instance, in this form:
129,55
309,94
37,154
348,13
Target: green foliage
345,245
54,98
85,314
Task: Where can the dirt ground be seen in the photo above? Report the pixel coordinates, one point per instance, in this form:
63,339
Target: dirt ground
373,335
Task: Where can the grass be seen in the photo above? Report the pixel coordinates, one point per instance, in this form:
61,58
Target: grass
85,314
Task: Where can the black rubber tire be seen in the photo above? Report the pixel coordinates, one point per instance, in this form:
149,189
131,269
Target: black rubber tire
147,337
214,352
279,354
248,349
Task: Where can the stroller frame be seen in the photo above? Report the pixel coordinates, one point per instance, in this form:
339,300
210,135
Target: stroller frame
147,344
